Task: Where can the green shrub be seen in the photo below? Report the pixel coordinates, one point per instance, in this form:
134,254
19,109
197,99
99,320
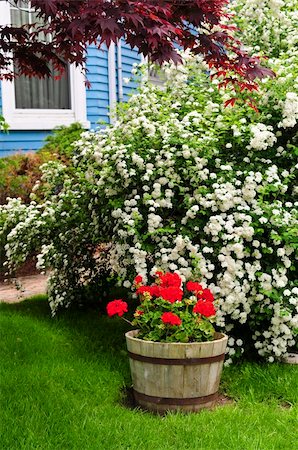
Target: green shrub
20,172
62,139
3,125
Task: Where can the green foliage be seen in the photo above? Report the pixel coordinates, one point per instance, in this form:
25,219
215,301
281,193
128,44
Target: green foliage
19,173
62,139
3,125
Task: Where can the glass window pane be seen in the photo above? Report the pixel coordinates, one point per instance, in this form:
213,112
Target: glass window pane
24,4
35,93
38,22
19,17
48,93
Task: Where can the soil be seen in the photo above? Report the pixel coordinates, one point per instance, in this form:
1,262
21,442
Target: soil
28,268
23,287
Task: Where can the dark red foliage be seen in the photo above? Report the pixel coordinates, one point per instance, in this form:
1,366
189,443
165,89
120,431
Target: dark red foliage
155,27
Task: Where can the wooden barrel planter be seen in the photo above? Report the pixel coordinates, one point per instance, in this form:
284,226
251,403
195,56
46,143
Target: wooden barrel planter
175,376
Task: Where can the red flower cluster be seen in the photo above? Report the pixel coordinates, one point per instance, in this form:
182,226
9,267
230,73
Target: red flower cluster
163,317
169,318
172,294
206,295
169,279
200,293
138,279
168,287
117,307
207,309
193,286
152,290
205,298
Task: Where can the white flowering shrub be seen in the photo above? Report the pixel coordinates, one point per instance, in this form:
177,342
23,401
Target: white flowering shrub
60,229
269,26
180,183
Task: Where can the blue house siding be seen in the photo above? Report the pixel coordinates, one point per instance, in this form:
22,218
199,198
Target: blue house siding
97,98
24,141
15,140
129,58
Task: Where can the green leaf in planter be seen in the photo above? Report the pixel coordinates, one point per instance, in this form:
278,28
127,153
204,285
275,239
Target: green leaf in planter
180,336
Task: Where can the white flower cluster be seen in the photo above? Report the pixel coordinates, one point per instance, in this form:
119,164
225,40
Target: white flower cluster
279,336
267,25
263,137
289,111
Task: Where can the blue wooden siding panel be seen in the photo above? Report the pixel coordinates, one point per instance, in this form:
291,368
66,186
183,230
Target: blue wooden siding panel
130,57
15,141
97,98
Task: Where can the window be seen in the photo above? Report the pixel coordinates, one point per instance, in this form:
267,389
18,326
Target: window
156,75
34,93
32,103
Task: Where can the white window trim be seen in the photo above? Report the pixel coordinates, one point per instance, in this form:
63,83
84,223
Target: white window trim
43,119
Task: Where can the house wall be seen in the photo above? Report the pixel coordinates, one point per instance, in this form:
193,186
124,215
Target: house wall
97,98
129,58
16,140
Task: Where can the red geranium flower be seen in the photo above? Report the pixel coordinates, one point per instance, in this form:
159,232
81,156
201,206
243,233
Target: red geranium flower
170,280
192,286
152,290
171,319
117,307
143,289
138,279
171,294
207,295
207,309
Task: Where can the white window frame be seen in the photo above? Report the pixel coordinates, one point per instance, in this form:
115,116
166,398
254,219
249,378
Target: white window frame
152,77
43,119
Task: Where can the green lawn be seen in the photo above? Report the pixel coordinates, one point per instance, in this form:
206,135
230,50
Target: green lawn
61,382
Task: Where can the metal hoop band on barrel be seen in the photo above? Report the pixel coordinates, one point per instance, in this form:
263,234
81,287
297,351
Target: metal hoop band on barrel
177,361
174,401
